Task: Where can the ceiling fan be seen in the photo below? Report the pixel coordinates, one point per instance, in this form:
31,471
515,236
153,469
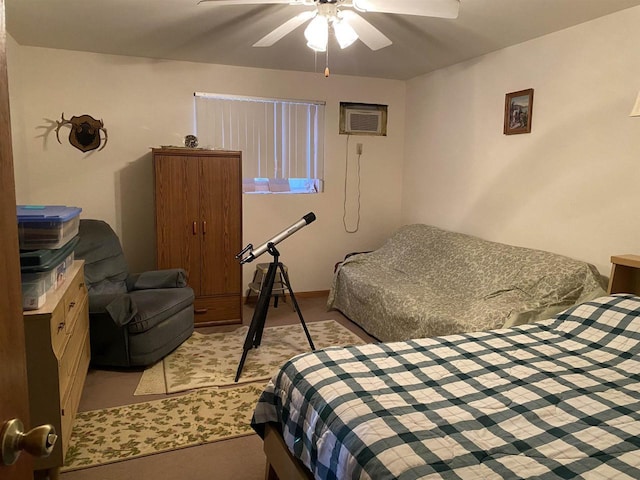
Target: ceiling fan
342,17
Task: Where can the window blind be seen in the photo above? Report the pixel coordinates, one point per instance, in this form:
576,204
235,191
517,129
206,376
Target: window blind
279,139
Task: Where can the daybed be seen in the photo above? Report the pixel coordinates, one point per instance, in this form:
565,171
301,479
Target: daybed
558,398
425,282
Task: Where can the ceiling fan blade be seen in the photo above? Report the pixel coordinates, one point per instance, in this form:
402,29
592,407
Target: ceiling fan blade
370,35
284,29
424,8
255,2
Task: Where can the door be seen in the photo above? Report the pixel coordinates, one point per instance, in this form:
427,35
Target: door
178,225
221,210
14,402
198,219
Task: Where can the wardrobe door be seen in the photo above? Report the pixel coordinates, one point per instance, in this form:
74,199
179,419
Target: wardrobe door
221,215
178,225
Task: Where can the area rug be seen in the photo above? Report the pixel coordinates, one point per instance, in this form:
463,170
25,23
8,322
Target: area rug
212,359
122,433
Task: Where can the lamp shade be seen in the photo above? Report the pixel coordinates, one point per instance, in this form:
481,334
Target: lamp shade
317,33
345,34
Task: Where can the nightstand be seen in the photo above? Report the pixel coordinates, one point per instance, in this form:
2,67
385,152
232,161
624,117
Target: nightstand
625,274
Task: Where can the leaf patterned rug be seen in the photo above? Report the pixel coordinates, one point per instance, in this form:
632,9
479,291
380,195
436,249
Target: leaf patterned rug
212,359
122,433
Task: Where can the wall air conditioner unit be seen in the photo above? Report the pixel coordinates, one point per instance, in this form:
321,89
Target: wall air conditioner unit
363,119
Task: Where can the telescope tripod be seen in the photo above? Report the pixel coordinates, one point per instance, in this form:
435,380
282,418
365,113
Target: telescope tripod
254,335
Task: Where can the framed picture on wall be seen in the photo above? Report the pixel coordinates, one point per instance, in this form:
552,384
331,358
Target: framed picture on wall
518,110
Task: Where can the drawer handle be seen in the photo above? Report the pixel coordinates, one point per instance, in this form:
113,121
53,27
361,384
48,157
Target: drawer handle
80,285
60,326
200,311
71,305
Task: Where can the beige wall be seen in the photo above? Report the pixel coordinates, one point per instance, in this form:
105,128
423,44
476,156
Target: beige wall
570,186
147,103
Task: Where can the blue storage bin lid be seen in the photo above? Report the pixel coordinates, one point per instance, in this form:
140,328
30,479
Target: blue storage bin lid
46,213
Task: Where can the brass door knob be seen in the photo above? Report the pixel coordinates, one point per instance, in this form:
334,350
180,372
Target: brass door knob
38,441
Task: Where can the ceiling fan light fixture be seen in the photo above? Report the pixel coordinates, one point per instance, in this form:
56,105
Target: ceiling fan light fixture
317,33
345,34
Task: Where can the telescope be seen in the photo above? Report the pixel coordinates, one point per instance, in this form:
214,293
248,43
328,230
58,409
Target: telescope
254,335
253,253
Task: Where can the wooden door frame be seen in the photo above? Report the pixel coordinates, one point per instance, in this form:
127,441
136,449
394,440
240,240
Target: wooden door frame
14,399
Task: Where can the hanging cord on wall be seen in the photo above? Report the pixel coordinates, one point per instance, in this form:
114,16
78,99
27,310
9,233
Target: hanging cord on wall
346,174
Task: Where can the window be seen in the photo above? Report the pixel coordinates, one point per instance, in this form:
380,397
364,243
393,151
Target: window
282,141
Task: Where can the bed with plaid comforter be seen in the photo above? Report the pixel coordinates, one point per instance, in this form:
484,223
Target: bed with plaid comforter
558,398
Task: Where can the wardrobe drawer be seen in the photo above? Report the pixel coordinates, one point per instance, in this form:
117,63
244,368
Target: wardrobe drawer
223,309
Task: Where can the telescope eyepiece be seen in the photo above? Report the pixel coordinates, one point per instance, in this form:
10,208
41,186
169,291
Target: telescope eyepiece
309,217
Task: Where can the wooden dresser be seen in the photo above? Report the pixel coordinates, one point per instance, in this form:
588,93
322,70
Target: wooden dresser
57,348
198,200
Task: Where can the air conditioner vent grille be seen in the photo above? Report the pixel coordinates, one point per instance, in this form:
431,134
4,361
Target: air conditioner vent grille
364,122
363,119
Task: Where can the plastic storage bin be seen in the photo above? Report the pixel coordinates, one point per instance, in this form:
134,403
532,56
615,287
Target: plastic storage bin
45,259
46,227
43,271
34,295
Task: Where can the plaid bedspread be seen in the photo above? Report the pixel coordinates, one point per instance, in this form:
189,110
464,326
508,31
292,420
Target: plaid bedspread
555,399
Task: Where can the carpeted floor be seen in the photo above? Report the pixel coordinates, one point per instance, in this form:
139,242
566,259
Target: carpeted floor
122,433
213,408
211,360
237,458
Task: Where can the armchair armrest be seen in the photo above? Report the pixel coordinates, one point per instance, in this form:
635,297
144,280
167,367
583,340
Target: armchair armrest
98,302
169,278
119,306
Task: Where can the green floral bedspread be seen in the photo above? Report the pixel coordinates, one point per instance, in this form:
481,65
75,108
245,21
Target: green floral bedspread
427,282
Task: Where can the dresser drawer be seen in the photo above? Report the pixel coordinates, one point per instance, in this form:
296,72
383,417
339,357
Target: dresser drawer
68,365
71,400
59,335
63,317
72,301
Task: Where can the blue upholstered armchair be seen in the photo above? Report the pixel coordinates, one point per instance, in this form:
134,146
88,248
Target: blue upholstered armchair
135,320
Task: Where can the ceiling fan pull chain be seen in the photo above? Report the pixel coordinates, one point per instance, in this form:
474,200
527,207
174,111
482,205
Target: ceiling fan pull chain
326,69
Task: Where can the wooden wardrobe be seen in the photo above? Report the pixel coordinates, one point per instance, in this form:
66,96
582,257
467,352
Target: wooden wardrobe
198,200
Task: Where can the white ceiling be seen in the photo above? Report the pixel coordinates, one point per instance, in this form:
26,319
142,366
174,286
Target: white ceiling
209,33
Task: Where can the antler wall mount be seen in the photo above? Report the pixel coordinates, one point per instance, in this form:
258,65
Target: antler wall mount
85,132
